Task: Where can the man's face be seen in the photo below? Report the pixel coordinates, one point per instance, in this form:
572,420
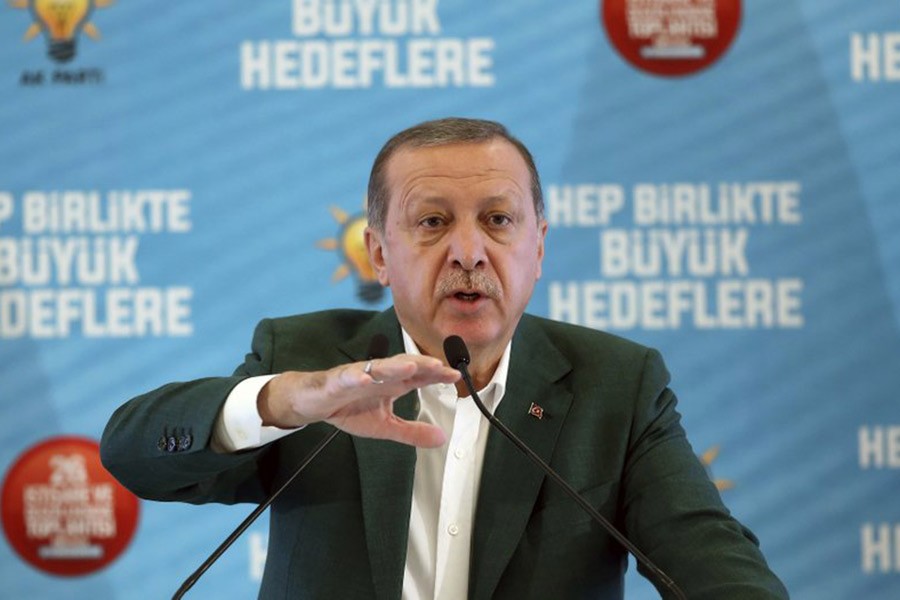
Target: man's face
462,246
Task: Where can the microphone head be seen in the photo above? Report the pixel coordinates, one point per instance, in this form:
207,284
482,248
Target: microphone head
378,346
456,352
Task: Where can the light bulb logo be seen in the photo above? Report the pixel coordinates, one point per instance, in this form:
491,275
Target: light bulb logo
707,459
351,243
61,21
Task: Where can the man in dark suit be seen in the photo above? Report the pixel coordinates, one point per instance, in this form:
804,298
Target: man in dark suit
456,229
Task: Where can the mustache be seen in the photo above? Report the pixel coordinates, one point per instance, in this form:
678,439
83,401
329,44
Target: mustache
470,281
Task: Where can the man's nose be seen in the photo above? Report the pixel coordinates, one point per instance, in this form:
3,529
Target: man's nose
467,246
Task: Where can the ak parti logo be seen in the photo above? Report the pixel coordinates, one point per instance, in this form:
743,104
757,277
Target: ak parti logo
62,22
351,244
671,38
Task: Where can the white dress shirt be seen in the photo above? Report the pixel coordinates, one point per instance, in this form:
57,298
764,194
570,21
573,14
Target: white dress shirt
445,488
445,485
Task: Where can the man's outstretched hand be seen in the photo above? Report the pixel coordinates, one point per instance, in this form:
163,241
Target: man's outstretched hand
357,402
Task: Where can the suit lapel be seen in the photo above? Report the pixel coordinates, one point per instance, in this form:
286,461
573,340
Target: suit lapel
386,471
510,482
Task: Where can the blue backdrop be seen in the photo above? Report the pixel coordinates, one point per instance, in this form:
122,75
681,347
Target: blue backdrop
742,219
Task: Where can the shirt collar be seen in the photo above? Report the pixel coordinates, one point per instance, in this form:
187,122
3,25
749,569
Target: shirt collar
493,392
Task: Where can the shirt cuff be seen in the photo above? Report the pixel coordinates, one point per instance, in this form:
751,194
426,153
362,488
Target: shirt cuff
239,426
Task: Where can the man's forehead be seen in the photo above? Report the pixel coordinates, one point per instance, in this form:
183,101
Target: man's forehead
457,161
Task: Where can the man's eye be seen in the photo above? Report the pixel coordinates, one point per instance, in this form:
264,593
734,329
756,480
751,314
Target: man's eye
499,220
431,222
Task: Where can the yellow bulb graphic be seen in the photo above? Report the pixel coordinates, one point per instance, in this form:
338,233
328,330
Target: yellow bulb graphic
353,245
61,21
351,242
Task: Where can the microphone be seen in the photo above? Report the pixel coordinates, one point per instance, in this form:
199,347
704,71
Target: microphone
378,348
458,357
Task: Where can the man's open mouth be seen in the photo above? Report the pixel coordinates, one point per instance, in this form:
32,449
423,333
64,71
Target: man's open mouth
467,296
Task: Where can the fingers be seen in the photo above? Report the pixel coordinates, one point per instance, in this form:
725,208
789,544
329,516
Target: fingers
412,371
374,418
394,376
349,398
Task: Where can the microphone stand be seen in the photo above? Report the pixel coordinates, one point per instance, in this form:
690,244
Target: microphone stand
458,357
192,579
378,348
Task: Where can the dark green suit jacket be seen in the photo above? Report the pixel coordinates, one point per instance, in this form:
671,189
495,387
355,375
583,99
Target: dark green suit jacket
340,531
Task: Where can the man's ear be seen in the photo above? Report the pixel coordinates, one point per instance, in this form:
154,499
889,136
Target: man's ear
375,246
542,235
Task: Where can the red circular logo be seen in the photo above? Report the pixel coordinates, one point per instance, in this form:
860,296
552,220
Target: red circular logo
63,512
671,37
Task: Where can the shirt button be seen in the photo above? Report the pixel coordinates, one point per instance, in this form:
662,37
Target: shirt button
452,529
459,453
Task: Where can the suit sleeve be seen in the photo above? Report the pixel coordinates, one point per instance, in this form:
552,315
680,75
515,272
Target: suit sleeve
158,444
674,513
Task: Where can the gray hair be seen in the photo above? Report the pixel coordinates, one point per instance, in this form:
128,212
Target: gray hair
441,132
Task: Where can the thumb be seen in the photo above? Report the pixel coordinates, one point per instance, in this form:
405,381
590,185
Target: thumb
415,433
